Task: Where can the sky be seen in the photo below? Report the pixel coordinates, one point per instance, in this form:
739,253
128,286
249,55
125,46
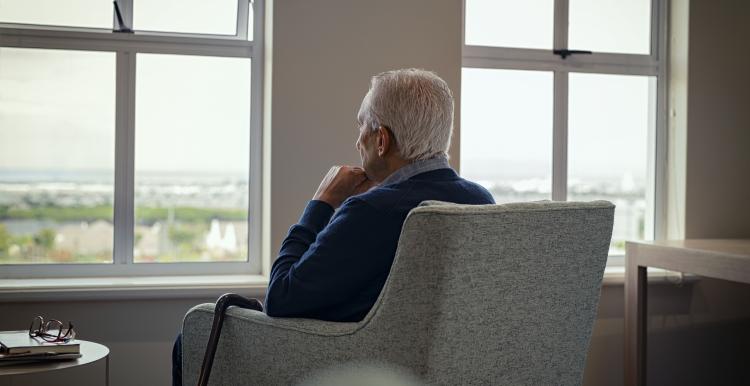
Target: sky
192,113
506,121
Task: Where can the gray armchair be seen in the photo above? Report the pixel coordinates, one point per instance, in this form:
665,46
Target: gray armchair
477,295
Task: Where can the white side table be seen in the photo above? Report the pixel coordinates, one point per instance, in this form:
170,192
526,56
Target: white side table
90,353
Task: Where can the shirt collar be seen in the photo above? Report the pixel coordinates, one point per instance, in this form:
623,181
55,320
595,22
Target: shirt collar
416,167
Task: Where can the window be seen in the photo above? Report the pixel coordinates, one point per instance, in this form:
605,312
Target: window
517,169
71,13
198,197
57,130
187,16
508,23
130,153
538,122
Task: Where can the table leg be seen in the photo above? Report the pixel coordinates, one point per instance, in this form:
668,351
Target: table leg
106,371
635,323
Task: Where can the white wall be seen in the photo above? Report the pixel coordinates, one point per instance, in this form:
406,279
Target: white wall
324,53
717,191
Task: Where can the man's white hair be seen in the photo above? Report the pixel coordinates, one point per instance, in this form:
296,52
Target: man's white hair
416,105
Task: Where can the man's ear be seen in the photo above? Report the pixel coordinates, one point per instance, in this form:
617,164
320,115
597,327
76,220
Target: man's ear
385,141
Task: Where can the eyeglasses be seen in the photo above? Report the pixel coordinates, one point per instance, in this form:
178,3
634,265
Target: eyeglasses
51,330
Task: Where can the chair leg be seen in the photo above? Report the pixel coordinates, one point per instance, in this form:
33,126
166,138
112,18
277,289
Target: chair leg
224,302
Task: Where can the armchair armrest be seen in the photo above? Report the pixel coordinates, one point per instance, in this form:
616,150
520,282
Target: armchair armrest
257,349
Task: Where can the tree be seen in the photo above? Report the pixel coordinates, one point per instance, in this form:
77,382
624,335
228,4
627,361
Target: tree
45,238
182,236
5,239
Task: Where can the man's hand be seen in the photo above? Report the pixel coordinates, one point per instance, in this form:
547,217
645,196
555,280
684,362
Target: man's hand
342,182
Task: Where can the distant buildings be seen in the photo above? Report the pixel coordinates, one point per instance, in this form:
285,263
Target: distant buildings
210,239
84,238
216,242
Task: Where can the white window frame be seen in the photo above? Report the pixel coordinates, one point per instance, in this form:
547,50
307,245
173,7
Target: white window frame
654,64
126,46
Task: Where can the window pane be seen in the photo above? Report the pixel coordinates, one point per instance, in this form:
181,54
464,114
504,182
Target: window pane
506,132
191,158
217,17
610,26
74,13
57,114
608,148
509,23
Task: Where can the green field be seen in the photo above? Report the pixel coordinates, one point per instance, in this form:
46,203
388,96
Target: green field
144,215
187,225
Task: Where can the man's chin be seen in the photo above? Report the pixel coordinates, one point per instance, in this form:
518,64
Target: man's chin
367,171
371,174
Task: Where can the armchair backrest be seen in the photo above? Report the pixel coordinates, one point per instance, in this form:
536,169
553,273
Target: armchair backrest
496,294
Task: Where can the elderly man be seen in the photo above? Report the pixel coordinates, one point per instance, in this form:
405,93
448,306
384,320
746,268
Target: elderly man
333,264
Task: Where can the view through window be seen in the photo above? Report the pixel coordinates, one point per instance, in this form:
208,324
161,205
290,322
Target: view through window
57,116
512,84
193,204
506,140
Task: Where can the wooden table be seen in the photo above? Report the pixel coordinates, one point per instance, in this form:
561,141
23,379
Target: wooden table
727,259
90,353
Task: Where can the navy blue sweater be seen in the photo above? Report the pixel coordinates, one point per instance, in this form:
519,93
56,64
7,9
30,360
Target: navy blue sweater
334,268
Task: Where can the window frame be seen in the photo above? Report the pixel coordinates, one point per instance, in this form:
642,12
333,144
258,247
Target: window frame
654,64
126,46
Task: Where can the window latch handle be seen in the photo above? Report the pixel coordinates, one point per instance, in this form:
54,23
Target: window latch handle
120,24
564,53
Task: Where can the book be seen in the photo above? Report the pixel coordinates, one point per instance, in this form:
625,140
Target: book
18,343
9,360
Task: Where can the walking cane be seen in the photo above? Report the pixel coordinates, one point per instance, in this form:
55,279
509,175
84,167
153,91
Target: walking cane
224,302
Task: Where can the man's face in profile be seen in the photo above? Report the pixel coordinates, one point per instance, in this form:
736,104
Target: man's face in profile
368,151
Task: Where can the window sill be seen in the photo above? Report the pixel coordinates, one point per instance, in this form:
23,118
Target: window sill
176,287
127,288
